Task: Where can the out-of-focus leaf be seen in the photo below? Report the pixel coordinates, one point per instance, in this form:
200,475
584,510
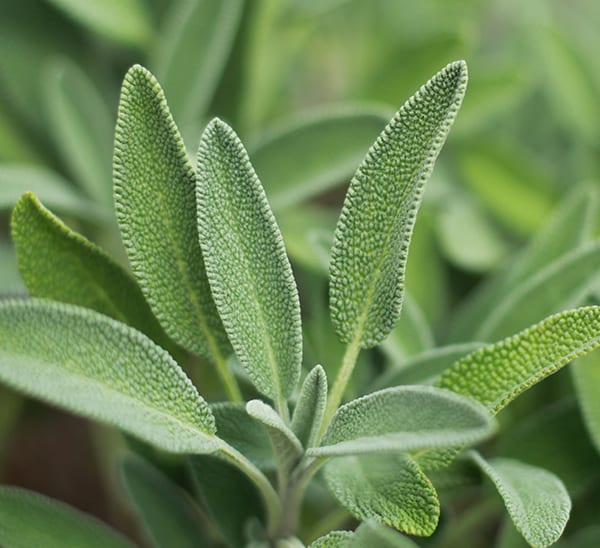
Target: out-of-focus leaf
124,21
370,533
10,279
314,152
29,519
586,377
335,539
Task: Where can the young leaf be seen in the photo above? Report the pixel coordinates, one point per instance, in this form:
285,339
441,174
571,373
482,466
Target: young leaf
371,533
496,374
405,419
168,515
586,377
248,269
29,519
335,539
156,210
308,415
308,155
92,365
389,488
57,263
371,240
286,446
536,500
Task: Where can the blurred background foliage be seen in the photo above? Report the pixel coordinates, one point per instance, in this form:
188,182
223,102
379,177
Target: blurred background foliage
506,234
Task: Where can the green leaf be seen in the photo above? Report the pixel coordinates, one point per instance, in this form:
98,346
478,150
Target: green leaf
190,55
156,210
335,539
586,377
81,126
124,21
498,373
52,190
405,419
309,154
92,365
370,533
168,515
29,519
10,279
229,497
309,411
536,500
286,446
57,263
389,488
248,269
373,233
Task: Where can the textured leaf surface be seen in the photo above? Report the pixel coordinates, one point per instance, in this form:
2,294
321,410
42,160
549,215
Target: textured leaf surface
586,376
310,408
536,500
306,156
335,539
389,488
249,272
405,419
156,210
28,519
57,263
496,374
168,515
373,233
97,367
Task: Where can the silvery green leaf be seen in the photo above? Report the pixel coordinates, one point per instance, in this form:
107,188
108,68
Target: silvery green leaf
373,234
29,519
309,411
249,272
156,210
536,500
498,373
92,365
370,533
335,539
169,516
405,419
309,154
286,446
586,377
389,488
57,263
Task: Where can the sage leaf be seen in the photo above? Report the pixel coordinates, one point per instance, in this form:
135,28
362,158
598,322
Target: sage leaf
99,368
168,514
586,377
372,236
498,373
29,519
57,263
309,411
389,488
371,533
156,210
10,279
249,272
335,539
405,419
309,154
536,500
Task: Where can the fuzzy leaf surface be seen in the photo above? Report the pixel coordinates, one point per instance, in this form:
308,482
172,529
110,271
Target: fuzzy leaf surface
371,240
405,419
586,377
168,514
156,210
536,499
390,488
30,519
497,374
249,272
310,408
59,264
335,539
92,365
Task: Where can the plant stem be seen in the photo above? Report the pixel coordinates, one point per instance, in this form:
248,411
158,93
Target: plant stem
231,386
341,381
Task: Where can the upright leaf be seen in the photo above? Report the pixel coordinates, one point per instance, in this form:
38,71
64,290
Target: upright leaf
405,419
496,374
536,500
156,210
92,365
373,233
586,376
249,272
57,263
29,519
310,408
